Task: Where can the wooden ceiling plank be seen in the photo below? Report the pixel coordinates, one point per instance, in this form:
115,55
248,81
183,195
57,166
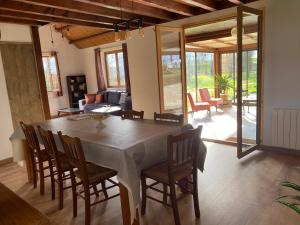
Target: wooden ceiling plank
42,10
209,5
21,21
237,2
224,42
75,6
88,37
11,14
171,6
132,7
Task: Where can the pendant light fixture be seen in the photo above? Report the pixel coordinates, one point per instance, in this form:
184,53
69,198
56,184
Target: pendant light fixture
127,24
117,32
127,31
141,28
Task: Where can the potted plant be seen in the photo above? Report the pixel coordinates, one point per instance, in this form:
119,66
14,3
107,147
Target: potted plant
290,201
224,82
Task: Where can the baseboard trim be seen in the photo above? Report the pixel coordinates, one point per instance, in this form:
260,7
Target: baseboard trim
279,150
6,161
231,143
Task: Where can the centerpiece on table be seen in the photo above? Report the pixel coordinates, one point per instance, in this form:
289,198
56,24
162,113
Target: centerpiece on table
99,117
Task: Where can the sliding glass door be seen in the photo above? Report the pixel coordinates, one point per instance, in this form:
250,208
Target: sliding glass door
249,26
171,69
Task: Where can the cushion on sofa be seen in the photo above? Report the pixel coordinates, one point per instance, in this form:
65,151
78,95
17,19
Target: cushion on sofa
90,98
113,98
123,98
99,99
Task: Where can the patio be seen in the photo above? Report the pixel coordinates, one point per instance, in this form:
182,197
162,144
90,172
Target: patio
222,125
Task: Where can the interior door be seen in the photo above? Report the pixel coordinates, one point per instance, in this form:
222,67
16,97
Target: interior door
249,99
22,82
171,69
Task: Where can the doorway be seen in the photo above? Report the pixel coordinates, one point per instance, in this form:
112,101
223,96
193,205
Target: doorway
221,85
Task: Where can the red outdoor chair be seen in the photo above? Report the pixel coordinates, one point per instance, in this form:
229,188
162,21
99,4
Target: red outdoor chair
205,97
198,106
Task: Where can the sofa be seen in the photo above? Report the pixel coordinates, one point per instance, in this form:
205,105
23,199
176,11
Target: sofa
108,98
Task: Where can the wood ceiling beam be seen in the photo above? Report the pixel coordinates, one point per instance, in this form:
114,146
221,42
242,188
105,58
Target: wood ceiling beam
75,6
218,34
59,13
209,5
171,6
132,7
21,21
49,19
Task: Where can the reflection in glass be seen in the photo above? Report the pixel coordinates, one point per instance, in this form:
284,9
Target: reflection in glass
171,71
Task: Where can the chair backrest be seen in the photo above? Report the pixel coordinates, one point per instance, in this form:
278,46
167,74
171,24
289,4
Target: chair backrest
74,154
204,94
132,114
183,149
168,117
50,146
193,106
31,138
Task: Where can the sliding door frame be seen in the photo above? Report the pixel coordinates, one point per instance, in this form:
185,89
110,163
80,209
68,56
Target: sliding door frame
240,146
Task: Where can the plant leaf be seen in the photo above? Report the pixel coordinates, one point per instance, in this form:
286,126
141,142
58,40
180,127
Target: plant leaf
290,185
292,206
295,197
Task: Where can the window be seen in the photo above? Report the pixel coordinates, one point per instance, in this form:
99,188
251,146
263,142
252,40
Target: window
229,67
200,72
115,73
51,71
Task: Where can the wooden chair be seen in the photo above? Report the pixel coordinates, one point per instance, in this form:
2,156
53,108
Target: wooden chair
59,161
89,174
168,117
181,164
198,106
205,97
132,114
38,157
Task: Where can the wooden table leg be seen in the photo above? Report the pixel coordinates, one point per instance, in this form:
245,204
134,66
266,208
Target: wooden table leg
125,207
27,161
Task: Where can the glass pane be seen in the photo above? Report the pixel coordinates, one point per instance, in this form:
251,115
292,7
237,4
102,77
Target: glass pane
112,70
171,71
205,71
249,79
54,76
47,73
121,68
191,75
229,68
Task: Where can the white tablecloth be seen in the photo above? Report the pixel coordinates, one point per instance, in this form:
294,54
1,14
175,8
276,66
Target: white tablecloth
126,146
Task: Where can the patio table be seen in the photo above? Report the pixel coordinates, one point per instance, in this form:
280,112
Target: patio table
126,146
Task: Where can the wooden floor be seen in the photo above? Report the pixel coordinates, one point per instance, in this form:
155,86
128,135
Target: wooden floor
231,192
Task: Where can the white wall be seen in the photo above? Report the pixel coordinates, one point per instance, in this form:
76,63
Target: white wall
69,61
11,33
282,59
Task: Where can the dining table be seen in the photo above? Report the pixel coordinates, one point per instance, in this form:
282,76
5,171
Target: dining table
124,145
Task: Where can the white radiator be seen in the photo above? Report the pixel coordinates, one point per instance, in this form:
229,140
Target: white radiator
286,128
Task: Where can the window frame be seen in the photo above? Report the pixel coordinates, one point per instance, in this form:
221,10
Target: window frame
49,55
115,52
